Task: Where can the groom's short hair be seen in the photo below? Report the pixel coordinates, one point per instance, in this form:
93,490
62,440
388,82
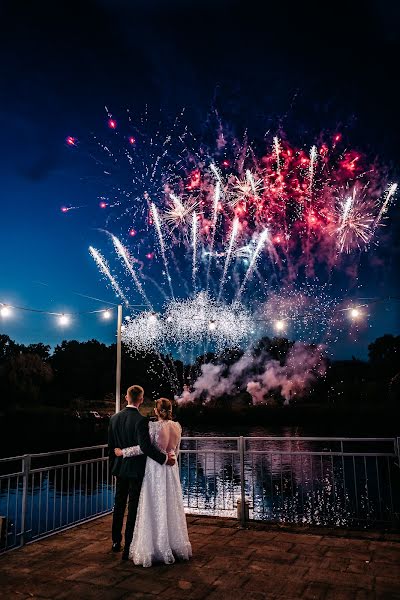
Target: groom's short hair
134,392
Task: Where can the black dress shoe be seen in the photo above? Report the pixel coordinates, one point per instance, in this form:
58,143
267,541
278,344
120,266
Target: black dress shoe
125,556
116,547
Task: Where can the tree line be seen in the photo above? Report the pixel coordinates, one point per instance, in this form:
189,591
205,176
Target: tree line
80,372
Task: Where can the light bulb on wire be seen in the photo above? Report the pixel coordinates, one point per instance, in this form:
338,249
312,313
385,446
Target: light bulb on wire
355,313
107,314
5,311
63,319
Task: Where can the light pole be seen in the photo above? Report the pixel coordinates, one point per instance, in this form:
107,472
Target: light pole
118,370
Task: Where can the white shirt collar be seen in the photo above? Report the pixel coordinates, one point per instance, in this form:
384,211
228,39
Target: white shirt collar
131,406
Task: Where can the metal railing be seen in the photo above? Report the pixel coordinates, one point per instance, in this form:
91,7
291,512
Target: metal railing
41,494
348,482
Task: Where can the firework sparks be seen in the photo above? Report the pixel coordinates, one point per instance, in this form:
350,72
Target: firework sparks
355,223
178,215
194,249
127,261
260,245
234,232
105,270
157,224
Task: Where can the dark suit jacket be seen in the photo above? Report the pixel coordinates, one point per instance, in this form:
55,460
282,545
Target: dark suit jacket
129,428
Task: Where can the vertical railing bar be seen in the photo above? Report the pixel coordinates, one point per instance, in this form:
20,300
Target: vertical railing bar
188,476
262,486
97,488
61,497
272,486
292,503
253,487
390,489
32,499
215,486
242,482
47,500
54,498
223,483
282,496
40,500
25,480
302,485
366,487
379,489
205,475
73,496
333,480
344,477
68,498
16,511
108,481
91,489
355,485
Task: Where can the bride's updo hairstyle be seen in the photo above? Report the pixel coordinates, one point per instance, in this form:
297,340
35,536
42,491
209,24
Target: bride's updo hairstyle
164,408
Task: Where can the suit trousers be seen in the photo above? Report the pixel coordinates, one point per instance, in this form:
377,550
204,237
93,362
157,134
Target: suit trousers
125,488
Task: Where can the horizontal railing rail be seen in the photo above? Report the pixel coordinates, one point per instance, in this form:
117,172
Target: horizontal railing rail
323,481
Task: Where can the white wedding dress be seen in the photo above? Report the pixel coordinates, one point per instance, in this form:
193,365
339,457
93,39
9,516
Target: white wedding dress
160,530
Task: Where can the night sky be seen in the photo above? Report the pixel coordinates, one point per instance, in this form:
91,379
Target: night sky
292,66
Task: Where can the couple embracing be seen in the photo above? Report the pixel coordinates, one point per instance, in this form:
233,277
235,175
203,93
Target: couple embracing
143,457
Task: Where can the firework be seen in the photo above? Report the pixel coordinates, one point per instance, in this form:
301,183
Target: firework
232,240
127,261
157,224
256,254
105,270
295,213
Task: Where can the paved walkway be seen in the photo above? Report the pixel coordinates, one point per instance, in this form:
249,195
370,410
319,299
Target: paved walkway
228,563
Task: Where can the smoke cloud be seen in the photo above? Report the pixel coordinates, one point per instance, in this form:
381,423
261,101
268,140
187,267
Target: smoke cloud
259,375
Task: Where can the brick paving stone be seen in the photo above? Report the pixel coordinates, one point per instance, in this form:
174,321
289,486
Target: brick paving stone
298,538
336,564
274,555
387,555
308,549
149,585
348,553
257,563
86,591
341,593
341,578
315,591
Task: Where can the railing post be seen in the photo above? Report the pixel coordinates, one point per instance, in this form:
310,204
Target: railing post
242,483
25,481
397,450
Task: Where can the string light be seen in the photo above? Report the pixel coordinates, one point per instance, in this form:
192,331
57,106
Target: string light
212,326
355,313
63,319
5,311
107,314
153,318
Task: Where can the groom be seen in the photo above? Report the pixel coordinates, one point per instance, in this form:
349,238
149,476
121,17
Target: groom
129,428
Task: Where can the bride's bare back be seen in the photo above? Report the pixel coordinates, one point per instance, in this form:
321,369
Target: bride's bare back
168,436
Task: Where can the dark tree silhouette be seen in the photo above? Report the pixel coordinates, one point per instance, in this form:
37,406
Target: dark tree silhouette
384,355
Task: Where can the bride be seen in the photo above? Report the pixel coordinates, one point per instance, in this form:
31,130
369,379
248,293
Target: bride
160,533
